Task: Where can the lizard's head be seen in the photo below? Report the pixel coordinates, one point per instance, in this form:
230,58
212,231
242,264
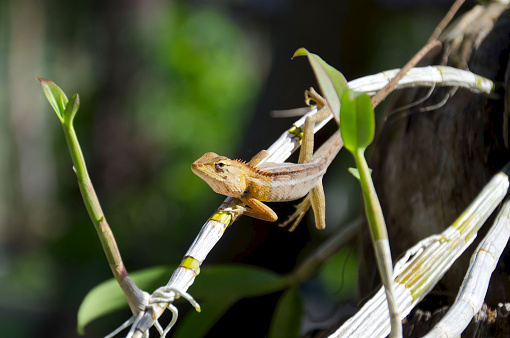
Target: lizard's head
224,176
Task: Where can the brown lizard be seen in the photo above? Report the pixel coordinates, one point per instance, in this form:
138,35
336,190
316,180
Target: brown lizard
276,182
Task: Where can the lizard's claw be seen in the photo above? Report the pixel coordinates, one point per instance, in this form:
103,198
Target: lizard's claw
298,215
309,100
313,99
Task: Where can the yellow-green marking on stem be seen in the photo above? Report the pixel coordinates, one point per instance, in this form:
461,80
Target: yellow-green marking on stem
191,263
223,217
298,132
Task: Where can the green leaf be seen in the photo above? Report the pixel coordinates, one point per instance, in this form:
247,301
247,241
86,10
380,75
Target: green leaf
218,284
354,172
55,96
237,281
286,321
219,287
331,81
71,109
357,121
108,296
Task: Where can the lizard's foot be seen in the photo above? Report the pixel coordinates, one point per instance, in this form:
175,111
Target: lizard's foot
313,99
297,216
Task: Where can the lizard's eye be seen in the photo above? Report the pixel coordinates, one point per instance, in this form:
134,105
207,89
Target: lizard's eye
220,166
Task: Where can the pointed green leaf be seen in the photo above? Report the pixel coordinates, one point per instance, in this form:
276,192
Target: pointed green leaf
220,283
219,287
108,296
237,281
331,81
55,96
357,121
355,172
286,321
71,109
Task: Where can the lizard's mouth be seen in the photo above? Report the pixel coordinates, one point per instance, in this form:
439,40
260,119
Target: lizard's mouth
205,175
195,168
198,170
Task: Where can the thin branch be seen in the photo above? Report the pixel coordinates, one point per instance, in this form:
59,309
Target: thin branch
446,20
431,44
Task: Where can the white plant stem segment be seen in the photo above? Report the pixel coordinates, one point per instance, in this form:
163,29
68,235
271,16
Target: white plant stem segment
476,282
425,264
425,77
231,209
385,267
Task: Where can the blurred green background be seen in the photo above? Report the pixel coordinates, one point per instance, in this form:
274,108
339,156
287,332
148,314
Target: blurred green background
161,83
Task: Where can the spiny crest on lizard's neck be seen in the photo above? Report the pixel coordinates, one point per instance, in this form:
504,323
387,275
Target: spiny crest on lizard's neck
252,169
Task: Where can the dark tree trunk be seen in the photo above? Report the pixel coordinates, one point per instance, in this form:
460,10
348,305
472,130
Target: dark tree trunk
429,165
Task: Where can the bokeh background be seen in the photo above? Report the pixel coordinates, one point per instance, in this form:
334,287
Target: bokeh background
161,83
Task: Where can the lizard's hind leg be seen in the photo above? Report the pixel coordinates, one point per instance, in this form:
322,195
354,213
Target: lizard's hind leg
315,197
297,216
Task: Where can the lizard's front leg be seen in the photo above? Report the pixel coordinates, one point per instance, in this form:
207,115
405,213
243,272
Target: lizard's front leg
315,198
312,98
258,157
258,210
